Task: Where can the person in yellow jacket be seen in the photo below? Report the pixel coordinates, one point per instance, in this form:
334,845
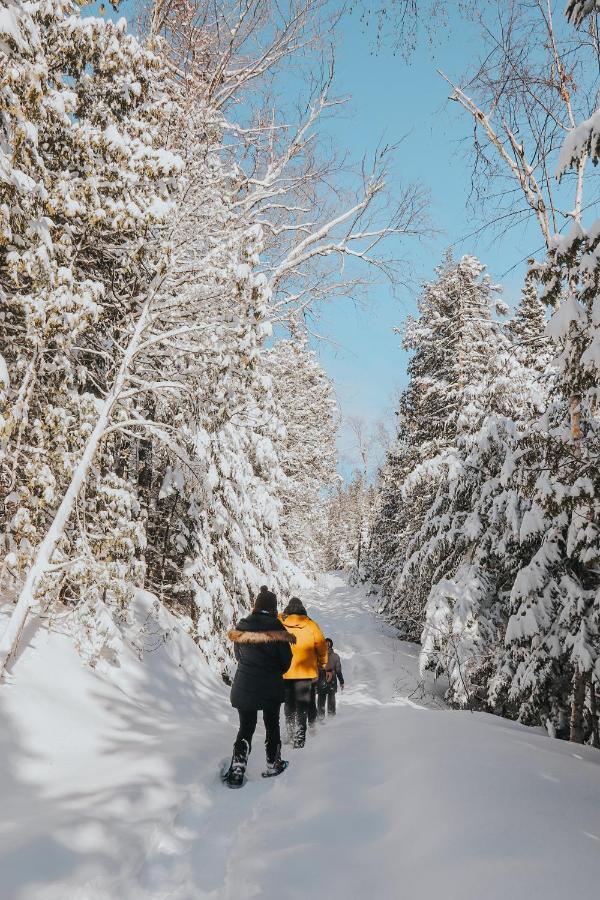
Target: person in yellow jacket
309,654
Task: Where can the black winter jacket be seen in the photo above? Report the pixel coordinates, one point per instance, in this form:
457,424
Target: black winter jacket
262,649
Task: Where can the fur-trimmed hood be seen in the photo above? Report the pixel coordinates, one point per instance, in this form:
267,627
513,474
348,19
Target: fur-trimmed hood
260,637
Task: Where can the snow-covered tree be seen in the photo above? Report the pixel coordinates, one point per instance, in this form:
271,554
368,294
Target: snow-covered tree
280,191
447,541
307,446
86,180
154,229
203,449
387,523
474,534
527,330
325,235
451,340
348,525
551,661
546,672
478,523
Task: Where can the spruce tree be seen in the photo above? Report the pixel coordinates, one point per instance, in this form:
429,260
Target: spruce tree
451,339
478,525
526,329
548,670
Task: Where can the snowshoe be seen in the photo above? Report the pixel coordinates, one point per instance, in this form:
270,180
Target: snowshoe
232,777
275,768
235,775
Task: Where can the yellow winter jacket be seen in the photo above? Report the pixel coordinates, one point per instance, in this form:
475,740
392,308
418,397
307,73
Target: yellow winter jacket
310,650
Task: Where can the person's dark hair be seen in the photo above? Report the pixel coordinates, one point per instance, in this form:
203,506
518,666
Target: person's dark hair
330,642
266,601
295,608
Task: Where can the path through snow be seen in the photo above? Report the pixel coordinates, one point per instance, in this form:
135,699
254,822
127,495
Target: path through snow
110,792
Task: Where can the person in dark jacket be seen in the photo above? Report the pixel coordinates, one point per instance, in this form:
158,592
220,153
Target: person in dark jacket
262,647
329,676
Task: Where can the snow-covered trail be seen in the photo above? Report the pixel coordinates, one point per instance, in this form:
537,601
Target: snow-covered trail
394,800
110,792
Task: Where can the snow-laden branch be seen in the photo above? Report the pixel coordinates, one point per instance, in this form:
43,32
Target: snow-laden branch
43,557
578,10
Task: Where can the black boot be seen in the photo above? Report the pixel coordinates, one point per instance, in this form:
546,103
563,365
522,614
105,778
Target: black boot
275,766
301,722
300,736
236,773
290,729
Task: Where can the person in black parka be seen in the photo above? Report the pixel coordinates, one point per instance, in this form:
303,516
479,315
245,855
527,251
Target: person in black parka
262,649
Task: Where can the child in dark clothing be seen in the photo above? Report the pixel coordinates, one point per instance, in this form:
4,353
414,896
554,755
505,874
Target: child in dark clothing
328,682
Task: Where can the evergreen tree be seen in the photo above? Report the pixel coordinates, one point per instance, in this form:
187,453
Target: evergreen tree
213,510
526,329
384,543
481,535
549,668
452,340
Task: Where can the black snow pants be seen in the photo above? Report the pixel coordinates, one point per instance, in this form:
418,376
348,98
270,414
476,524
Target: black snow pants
300,707
248,720
326,695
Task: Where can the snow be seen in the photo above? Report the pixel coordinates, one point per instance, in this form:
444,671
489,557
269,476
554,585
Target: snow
41,229
577,10
173,482
109,782
4,376
569,311
9,25
579,140
563,243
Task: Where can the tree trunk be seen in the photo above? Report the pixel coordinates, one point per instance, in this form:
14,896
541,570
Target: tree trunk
594,714
146,462
10,638
577,707
12,633
167,534
575,410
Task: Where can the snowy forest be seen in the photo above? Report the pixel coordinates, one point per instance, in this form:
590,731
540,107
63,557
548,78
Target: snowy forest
485,534
176,223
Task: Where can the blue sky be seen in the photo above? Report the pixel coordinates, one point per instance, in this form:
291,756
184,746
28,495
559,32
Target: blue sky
392,98
396,98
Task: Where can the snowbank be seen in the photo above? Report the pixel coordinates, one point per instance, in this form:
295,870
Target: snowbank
95,766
